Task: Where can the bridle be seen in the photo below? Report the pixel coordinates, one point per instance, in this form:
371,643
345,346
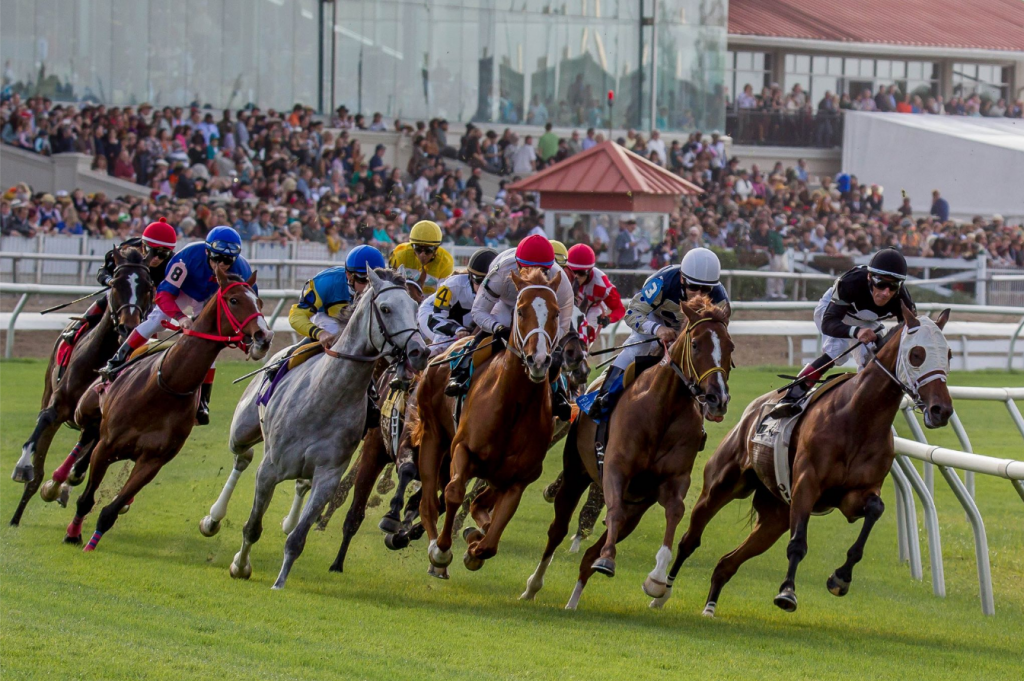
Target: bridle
398,353
115,313
912,387
519,340
236,339
687,372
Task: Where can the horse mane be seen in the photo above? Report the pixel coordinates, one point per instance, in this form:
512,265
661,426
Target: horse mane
534,276
132,256
390,276
703,306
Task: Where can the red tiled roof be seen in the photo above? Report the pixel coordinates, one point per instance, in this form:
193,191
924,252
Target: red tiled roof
607,168
984,24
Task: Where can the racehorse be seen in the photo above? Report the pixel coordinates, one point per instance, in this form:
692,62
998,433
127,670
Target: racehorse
315,417
840,453
148,412
503,434
656,432
128,302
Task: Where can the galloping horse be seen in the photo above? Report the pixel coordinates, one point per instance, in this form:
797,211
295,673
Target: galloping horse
316,416
503,434
128,301
656,432
148,412
840,453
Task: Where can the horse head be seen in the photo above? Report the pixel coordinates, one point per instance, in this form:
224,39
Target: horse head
535,321
923,365
395,312
704,354
131,291
574,349
240,307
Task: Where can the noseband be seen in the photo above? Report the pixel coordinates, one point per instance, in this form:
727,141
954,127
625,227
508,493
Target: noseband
519,340
688,372
397,354
236,339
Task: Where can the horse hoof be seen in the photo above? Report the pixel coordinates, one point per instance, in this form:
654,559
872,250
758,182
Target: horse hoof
24,474
439,572
416,532
75,480
654,588
396,542
472,563
50,491
471,534
389,525
65,494
549,494
336,567
837,586
240,572
786,600
606,566
576,542
124,509
438,558
76,540
208,526
659,603
709,609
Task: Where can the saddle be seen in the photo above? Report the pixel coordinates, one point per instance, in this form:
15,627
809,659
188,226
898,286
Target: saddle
150,348
770,442
297,354
585,402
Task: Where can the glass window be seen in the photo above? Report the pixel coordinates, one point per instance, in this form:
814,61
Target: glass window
883,68
803,64
835,66
852,67
867,68
899,69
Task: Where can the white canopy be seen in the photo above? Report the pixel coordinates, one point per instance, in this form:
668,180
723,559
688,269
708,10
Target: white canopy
977,164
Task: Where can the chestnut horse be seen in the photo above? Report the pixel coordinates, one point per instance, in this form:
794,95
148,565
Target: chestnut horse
148,411
655,433
128,302
503,434
840,453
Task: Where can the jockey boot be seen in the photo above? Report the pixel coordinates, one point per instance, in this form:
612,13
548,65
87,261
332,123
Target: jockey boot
109,372
459,380
560,407
372,412
91,317
605,399
203,410
789,405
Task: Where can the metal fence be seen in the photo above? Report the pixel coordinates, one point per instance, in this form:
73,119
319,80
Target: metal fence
785,129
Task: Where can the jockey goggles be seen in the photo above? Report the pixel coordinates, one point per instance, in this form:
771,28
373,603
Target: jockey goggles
697,288
159,252
224,248
883,283
220,257
421,248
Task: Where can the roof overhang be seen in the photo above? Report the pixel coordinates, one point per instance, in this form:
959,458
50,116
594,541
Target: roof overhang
874,49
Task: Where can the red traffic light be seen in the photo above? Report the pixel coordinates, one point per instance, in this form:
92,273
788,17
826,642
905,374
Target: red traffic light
611,96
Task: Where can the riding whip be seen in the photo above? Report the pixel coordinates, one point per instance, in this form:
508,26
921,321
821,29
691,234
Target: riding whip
275,365
76,300
619,347
827,365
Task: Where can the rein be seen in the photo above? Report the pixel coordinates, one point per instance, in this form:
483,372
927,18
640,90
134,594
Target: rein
236,339
694,380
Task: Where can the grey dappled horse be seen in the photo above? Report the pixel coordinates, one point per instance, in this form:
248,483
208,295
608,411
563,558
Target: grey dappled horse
316,416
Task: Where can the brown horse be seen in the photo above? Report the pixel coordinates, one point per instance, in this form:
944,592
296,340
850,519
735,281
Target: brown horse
840,453
148,412
656,431
128,301
503,434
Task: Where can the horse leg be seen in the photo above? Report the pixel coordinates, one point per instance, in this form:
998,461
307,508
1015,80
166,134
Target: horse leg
505,507
772,520
671,495
340,494
856,504
805,493
143,472
631,519
391,522
552,489
210,525
614,483
292,519
367,470
479,504
431,457
25,469
589,514
325,481
454,495
81,466
266,481
87,499
573,481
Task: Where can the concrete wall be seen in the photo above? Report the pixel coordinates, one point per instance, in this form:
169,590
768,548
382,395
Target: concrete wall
819,161
63,171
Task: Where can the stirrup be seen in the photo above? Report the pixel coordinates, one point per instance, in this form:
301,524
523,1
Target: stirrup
784,410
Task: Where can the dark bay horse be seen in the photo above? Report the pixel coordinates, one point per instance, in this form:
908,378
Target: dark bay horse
503,434
148,412
840,453
128,302
655,433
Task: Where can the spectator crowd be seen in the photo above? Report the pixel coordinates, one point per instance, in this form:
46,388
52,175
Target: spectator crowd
285,176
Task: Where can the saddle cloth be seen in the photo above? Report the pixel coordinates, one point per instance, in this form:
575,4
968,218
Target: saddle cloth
65,348
638,366
770,443
297,354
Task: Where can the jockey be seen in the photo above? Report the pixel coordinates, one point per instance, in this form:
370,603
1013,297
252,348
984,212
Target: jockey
190,282
317,314
157,244
595,293
850,311
422,260
496,300
653,315
561,254
445,315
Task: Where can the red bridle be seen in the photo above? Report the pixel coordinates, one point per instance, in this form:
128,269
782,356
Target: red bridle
236,339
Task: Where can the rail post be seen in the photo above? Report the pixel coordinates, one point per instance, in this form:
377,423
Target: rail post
980,539
931,524
14,320
910,521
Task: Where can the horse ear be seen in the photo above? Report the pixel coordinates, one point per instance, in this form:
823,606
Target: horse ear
691,316
518,281
942,319
251,281
118,257
556,282
222,278
375,280
909,318
726,309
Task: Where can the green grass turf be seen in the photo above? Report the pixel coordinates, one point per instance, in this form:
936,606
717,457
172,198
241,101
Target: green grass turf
155,600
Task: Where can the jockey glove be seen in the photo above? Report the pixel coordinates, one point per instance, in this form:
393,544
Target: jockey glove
502,332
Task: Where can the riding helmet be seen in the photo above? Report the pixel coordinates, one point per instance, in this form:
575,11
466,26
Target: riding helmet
481,261
535,251
561,253
224,240
581,258
425,233
889,262
159,234
701,267
361,257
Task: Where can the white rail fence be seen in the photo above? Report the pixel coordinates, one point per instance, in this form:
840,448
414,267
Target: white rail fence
909,482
